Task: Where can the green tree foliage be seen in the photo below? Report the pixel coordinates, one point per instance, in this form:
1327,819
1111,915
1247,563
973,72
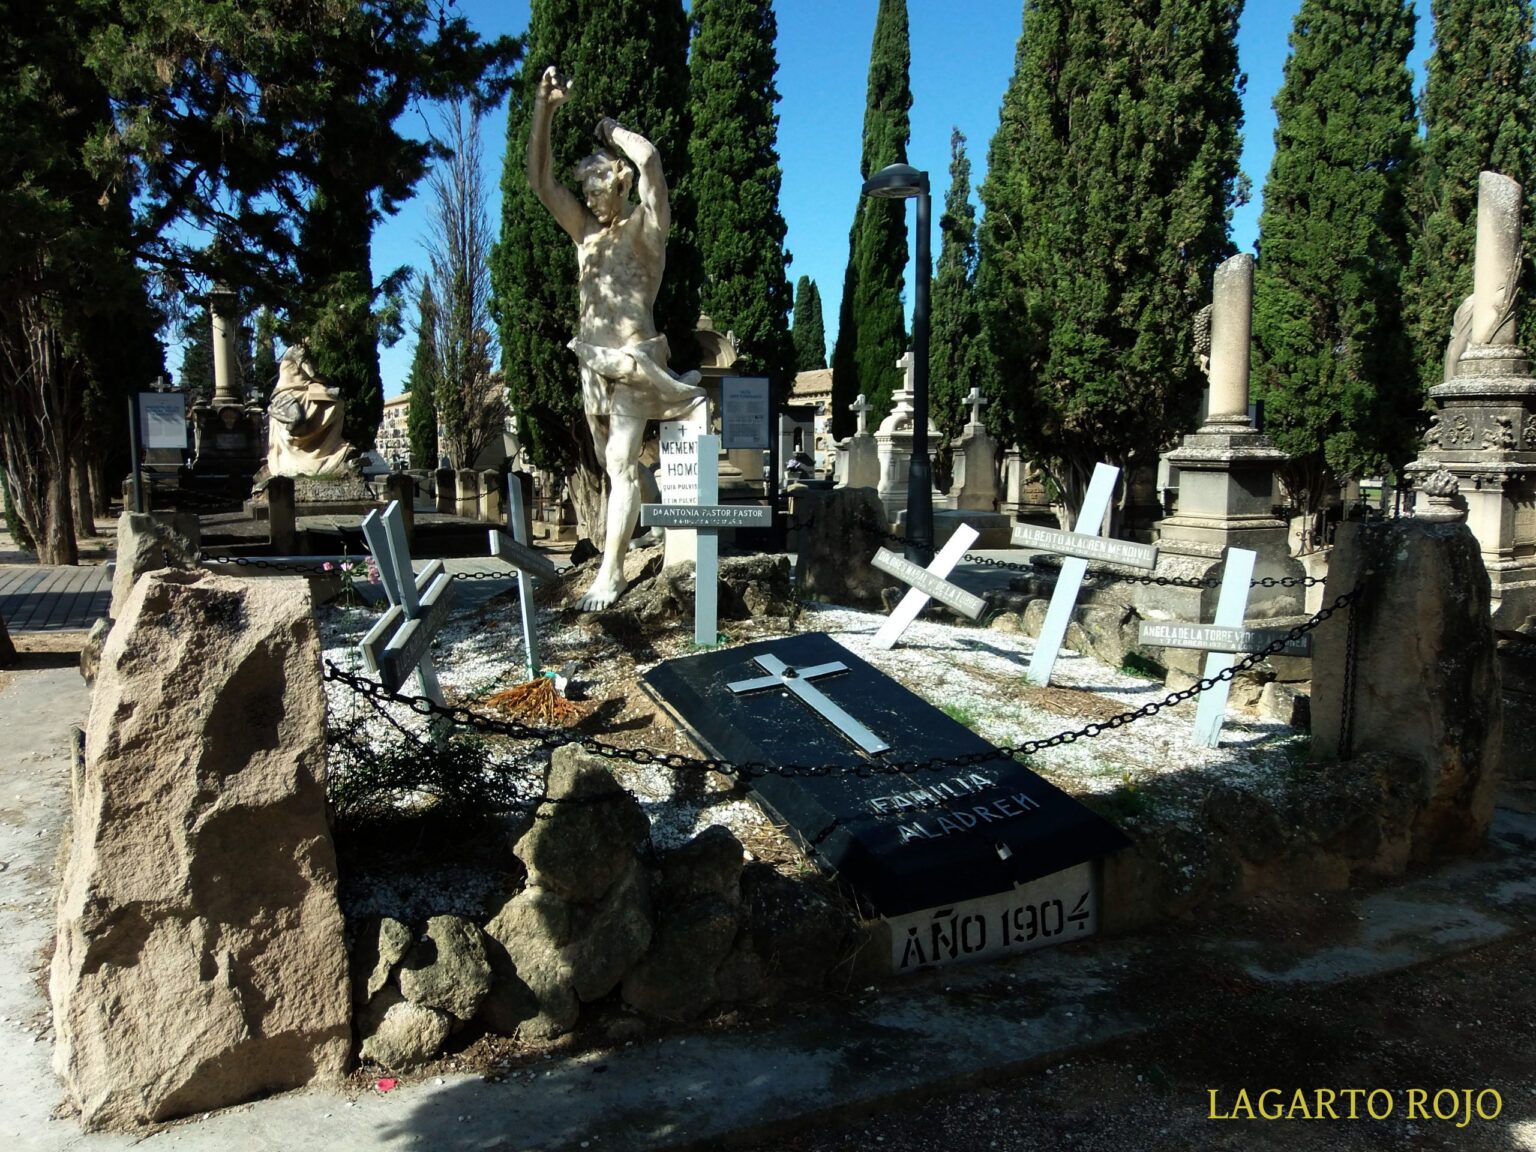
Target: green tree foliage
1479,114
629,62
76,330
734,170
1109,187
262,376
809,332
1331,358
872,331
421,413
955,355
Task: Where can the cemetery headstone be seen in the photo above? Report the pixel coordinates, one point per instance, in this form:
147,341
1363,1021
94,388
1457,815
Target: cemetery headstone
418,605
984,860
512,546
1078,547
861,458
704,517
927,583
677,476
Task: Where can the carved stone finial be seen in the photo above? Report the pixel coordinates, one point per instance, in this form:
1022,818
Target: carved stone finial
1440,490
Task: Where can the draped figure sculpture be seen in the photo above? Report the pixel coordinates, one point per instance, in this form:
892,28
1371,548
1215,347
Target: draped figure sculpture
620,256
304,425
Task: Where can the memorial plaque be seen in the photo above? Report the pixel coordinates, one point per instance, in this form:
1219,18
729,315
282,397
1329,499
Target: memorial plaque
705,516
1105,548
1216,638
930,583
744,412
908,844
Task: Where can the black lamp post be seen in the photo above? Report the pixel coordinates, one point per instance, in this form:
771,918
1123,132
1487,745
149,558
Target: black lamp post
902,182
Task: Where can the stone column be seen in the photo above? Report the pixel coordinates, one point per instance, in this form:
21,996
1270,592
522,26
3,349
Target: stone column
226,363
447,492
469,494
282,521
1231,338
490,496
1496,272
401,488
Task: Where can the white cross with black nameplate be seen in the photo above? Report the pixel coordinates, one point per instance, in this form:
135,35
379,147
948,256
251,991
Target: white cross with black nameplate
796,681
706,518
418,605
512,546
925,583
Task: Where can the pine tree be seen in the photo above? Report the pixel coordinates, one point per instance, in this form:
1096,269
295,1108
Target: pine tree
1331,359
421,413
1478,115
872,331
809,332
954,347
734,169
1109,186
625,61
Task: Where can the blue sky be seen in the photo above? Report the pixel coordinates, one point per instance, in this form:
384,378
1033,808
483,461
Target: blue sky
962,57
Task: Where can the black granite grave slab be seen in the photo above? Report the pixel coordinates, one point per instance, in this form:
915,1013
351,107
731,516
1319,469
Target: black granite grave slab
904,842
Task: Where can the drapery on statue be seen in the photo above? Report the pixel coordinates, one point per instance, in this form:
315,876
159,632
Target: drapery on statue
621,252
304,425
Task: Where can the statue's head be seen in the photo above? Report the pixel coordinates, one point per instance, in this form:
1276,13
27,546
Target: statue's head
605,182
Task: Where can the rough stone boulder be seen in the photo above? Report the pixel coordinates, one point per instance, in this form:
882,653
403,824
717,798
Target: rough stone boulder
750,587
1426,676
838,533
147,542
399,1035
698,902
447,969
90,651
200,958
585,917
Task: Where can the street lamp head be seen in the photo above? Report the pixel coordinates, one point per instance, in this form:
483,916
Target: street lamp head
897,182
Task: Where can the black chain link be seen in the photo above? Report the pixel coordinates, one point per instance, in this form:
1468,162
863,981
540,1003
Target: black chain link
551,738
355,567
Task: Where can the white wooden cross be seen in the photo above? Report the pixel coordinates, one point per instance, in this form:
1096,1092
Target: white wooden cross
512,546
1077,546
706,518
975,400
796,680
927,582
418,605
861,406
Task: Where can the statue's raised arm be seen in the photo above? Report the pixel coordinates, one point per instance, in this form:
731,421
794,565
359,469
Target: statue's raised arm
651,186
568,211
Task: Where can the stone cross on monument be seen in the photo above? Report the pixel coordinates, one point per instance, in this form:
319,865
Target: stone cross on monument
861,408
974,400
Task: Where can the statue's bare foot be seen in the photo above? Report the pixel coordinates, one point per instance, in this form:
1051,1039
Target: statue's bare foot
603,592
646,540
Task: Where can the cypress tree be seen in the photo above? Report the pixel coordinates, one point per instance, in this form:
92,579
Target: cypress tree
628,62
264,357
1109,186
810,331
1331,358
871,330
954,347
735,175
1478,115
421,412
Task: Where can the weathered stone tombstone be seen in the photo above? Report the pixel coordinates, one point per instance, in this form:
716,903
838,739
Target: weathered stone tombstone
927,583
985,861
1078,547
858,455
511,546
400,642
703,519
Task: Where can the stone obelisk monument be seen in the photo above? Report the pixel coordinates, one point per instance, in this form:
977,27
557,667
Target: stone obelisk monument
1483,431
1226,468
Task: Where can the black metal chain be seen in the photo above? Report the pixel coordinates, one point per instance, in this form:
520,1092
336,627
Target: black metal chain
355,567
551,738
1124,578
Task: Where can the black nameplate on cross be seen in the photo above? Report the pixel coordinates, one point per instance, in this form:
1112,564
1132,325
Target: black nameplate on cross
904,842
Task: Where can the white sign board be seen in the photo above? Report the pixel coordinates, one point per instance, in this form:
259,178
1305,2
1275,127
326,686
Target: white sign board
744,412
1054,909
678,473
163,419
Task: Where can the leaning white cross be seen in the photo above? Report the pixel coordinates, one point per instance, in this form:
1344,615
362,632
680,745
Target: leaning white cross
512,547
1078,547
1221,640
925,583
418,605
796,680
706,518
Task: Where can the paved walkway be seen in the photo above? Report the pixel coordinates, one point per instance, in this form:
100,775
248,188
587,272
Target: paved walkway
38,599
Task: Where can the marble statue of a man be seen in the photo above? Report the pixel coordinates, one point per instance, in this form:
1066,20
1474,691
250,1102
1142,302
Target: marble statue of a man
620,255
304,418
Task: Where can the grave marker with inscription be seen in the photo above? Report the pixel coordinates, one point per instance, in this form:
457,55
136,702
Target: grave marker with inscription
927,583
963,864
512,546
418,605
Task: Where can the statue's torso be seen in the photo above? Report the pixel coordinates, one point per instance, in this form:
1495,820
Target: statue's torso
619,272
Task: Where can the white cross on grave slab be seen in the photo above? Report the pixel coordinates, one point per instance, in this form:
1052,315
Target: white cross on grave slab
1078,546
974,400
512,547
861,408
1221,641
706,518
797,681
418,605
925,583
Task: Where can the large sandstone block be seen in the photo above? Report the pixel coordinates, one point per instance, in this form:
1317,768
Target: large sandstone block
200,958
147,541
